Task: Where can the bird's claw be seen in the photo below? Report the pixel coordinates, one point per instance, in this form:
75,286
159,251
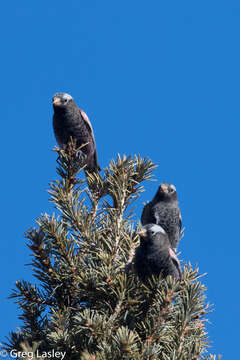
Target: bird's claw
79,154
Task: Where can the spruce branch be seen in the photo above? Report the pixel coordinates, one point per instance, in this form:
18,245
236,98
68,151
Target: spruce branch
88,301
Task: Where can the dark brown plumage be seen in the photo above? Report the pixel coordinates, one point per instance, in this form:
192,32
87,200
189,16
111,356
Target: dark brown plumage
155,256
69,121
163,210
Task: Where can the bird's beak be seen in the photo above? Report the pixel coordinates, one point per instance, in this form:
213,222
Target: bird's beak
142,233
56,101
164,188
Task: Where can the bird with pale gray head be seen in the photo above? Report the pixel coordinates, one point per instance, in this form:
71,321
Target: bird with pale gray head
69,121
163,210
154,256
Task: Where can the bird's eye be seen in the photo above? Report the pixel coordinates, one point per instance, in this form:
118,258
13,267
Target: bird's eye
172,189
65,101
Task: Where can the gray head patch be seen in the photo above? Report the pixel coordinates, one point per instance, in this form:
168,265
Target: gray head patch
156,229
173,187
67,96
62,96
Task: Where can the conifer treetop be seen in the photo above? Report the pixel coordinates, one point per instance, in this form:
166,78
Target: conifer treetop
87,301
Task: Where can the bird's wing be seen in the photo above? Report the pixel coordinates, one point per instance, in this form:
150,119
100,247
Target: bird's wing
176,262
180,221
87,122
89,126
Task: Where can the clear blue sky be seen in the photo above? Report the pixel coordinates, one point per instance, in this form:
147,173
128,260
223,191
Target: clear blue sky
159,78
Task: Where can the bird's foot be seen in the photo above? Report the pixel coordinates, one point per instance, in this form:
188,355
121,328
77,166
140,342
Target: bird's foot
79,155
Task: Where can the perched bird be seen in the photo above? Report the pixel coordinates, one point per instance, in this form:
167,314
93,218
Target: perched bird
70,121
163,210
154,255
